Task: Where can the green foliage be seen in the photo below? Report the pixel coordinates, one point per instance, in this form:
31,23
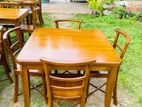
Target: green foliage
48,21
137,16
130,71
96,5
119,12
112,1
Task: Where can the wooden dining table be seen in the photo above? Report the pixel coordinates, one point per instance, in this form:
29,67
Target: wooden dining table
65,46
12,16
28,4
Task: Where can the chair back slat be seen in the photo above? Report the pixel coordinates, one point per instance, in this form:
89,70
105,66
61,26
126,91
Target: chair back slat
120,33
66,88
58,22
35,17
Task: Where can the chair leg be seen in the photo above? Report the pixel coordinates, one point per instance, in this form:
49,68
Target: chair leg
22,37
6,67
78,72
82,102
44,90
115,102
40,18
56,71
16,88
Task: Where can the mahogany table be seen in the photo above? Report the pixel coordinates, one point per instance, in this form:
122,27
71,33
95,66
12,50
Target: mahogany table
12,16
65,46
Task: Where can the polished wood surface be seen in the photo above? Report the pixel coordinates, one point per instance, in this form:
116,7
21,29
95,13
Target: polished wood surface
68,46
4,4
28,1
12,16
31,4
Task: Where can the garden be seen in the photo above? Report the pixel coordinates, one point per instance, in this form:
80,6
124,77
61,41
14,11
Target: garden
130,74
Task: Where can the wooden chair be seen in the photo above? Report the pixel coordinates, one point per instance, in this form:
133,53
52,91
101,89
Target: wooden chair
13,50
65,87
39,4
29,28
121,51
3,58
58,22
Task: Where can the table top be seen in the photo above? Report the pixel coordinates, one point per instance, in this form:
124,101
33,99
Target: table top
28,1
21,1
11,13
68,46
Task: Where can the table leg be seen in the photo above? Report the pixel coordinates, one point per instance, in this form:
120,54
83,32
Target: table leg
110,85
26,86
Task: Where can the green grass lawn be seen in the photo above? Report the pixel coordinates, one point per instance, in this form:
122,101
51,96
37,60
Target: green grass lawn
130,75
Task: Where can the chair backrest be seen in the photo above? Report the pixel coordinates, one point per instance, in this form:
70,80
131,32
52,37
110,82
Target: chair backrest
39,3
66,88
67,23
13,42
117,45
9,4
35,17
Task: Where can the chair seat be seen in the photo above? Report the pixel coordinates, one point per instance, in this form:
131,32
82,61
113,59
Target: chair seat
8,25
27,28
98,74
32,72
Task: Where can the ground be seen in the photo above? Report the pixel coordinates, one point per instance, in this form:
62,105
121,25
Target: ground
96,100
